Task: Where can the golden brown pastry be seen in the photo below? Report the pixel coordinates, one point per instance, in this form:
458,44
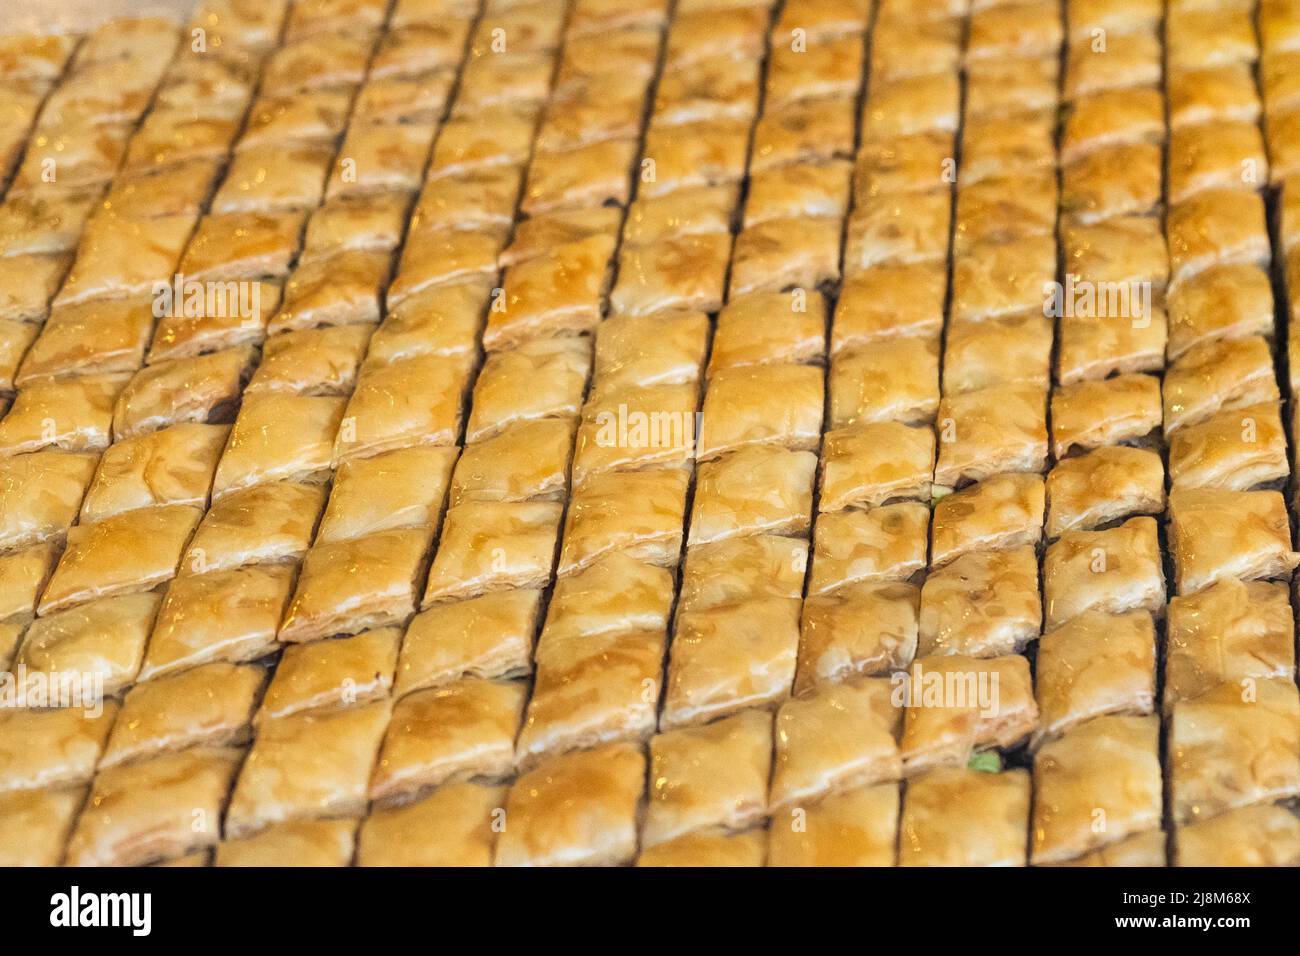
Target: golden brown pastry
398,489
486,636
34,825
1098,784
754,490
491,545
576,810
263,524
858,828
1250,836
1091,490
1230,632
52,748
1215,534
859,630
983,604
1096,663
456,825
159,809
1115,570
639,513
740,569
712,775
954,816
461,730
1234,746
729,658
308,766
883,544
309,843
40,495
869,465
709,848
999,513
208,705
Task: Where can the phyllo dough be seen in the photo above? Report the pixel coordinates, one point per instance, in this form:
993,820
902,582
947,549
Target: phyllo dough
1096,785
34,825
219,616
1217,534
1091,490
1234,450
639,513
1250,836
840,737
1108,412
741,569
954,816
1116,570
869,465
52,748
956,704
279,438
983,604
398,489
708,848
465,729
854,547
577,810
169,467
209,705
859,630
1234,746
999,513
264,524
156,810
729,658
456,825
486,636
776,404
1230,632
103,639
308,766
332,598
994,430
129,552
858,828
715,775
308,843
590,690
1095,664
491,545
72,414
40,495
335,673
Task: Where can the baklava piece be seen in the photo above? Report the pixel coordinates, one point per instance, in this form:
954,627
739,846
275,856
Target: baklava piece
1233,450
858,828
708,848
35,824
208,705
685,273
982,604
576,810
650,350
156,810
456,825
898,229
954,816
784,254
128,552
1114,571
1228,301
556,294
1216,534
52,748
462,730
742,569
119,257
617,593
635,428
1003,279
73,415
95,337
339,289
487,636
169,467
709,776
999,513
753,491
774,404
309,843
894,379
1216,227
904,299
993,430
1234,746
729,658
275,177
1109,483
840,737
1216,376
1097,785
1116,181
493,545
545,378
956,704
1095,664
279,438
334,673
639,513
883,544
1087,415
859,630
399,489
1250,836
332,598
40,495
220,616
202,389
1230,633
307,766
589,691
1010,350
869,465
320,361
265,524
